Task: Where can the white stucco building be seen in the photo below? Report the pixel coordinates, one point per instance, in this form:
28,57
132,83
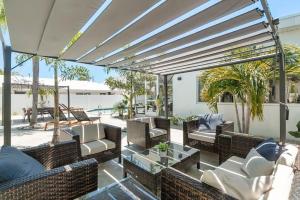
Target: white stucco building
83,94
186,92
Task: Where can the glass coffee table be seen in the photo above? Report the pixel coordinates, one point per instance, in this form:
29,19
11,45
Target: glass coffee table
126,189
146,167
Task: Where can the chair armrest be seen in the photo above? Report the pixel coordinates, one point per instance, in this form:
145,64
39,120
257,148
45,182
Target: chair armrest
177,185
188,127
138,132
224,147
52,156
67,182
163,124
226,126
113,133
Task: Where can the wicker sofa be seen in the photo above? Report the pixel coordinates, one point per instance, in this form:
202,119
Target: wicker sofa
177,185
99,141
204,139
147,132
65,177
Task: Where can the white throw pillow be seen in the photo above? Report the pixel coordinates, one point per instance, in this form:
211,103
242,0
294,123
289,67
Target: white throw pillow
256,165
288,156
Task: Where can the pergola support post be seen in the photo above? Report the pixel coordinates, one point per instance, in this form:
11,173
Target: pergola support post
6,95
166,96
69,104
282,99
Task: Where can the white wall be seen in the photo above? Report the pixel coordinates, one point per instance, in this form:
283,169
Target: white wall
185,104
19,101
185,95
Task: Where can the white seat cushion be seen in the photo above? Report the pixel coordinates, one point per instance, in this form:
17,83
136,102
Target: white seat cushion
233,165
203,136
96,146
288,156
157,132
283,178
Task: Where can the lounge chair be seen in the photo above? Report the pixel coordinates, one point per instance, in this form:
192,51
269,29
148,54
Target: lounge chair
65,108
148,132
63,120
233,149
82,117
64,177
202,133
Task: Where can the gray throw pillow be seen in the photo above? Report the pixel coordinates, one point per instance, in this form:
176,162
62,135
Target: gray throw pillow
16,164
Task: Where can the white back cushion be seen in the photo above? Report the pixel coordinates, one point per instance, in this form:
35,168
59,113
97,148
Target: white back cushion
256,165
87,133
101,132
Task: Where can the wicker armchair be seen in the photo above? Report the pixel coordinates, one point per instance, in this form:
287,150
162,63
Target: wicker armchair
139,132
112,133
65,178
212,146
177,185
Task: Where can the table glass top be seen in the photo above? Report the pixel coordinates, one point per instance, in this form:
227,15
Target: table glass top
151,161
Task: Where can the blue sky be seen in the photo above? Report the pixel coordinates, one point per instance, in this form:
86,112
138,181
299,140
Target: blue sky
279,8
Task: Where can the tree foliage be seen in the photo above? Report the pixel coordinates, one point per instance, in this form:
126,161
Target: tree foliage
131,85
248,83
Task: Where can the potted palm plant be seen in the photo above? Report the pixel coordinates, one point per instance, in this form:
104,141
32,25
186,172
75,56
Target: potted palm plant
296,134
163,149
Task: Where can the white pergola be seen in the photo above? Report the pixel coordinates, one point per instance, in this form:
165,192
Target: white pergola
162,37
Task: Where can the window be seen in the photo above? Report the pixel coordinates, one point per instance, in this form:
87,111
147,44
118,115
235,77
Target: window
20,92
199,88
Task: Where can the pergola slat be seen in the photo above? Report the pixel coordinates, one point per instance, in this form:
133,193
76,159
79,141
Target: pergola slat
229,36
57,35
220,64
116,16
214,12
212,57
164,13
218,28
244,43
215,59
26,21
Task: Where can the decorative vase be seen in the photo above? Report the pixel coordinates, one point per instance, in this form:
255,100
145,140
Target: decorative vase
163,153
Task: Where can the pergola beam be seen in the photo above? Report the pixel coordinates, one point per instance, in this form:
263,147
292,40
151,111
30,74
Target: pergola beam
6,95
166,100
282,95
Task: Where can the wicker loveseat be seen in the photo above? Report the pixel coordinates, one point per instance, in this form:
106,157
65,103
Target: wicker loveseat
65,177
196,135
148,131
177,185
99,141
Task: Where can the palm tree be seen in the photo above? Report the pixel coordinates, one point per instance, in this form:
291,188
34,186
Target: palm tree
247,83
